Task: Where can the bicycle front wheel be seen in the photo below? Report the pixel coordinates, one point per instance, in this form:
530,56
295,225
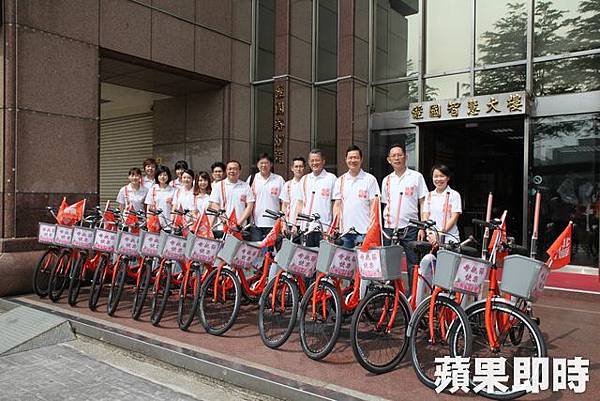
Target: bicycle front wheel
75,279
219,304
189,295
41,274
58,276
97,283
517,336
162,291
141,288
451,336
116,286
378,345
320,325
278,309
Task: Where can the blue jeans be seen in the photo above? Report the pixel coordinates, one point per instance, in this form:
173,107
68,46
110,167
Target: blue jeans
411,257
349,240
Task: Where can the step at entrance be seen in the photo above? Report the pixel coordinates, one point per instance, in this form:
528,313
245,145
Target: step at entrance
23,329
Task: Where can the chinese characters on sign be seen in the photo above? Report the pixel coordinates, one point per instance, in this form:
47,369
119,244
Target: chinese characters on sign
471,107
279,125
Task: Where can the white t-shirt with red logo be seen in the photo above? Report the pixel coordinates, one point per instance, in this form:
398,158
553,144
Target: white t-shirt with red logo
316,192
232,196
356,194
289,195
130,197
202,201
148,183
266,193
401,196
437,203
161,198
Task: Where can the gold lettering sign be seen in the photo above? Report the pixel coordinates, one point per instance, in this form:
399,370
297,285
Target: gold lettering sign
280,108
279,156
435,111
279,92
279,125
472,107
513,103
453,108
417,112
492,105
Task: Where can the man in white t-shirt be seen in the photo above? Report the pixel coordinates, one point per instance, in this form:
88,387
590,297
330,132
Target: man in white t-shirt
233,194
289,193
315,192
354,193
403,192
266,188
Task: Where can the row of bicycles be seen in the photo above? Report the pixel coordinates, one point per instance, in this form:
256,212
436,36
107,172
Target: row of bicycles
317,288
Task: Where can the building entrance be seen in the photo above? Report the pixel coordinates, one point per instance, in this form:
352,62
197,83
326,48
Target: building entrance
484,156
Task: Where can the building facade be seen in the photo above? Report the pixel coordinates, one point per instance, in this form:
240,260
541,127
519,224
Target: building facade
506,93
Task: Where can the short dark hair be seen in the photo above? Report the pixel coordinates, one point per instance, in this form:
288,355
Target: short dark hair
352,148
299,159
204,175
181,165
218,164
400,145
163,169
235,161
135,170
442,168
189,172
316,151
148,162
264,156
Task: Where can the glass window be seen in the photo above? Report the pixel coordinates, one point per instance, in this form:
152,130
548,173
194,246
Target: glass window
448,35
263,119
326,127
327,39
395,96
500,80
265,38
578,74
563,26
501,31
447,87
397,46
566,170
380,144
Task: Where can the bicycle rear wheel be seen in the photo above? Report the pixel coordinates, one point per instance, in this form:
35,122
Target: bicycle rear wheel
41,274
518,336
162,291
97,283
451,336
278,311
189,295
376,348
75,279
141,288
320,329
219,307
58,276
116,286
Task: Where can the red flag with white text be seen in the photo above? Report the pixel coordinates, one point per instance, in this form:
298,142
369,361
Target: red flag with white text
560,250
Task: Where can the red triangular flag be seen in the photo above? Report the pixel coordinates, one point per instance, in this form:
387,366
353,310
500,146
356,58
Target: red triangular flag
228,227
271,237
179,221
560,250
202,227
70,214
332,227
373,236
110,221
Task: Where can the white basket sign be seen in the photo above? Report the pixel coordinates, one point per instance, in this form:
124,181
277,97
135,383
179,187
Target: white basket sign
205,250
369,263
246,256
470,276
63,235
174,248
344,263
46,233
128,244
83,238
150,244
105,240
303,262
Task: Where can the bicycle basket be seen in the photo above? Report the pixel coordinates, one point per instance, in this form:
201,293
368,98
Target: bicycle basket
63,236
203,250
104,240
148,244
297,259
381,263
46,233
127,243
237,253
524,277
83,238
336,260
460,273
171,246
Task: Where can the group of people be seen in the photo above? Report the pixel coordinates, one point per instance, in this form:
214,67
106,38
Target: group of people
347,199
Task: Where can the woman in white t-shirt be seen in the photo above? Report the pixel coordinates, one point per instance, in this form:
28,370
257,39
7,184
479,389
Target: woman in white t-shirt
443,204
132,195
202,189
160,196
183,198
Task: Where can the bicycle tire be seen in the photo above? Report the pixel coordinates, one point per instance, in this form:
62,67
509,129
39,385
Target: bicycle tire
423,352
531,334
278,317
41,274
318,336
75,280
218,317
189,295
97,283
116,286
161,294
375,348
58,276
141,289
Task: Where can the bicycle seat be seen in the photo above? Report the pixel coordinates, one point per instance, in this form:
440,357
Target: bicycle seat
470,251
420,247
